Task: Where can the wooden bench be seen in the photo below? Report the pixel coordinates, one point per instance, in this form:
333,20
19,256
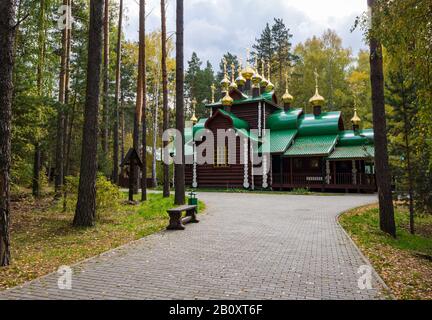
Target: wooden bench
177,222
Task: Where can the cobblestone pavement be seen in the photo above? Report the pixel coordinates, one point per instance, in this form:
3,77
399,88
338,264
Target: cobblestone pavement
247,246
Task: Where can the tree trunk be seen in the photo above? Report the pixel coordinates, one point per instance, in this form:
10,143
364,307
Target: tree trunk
36,171
180,167
135,171
40,69
115,177
387,222
166,182
7,38
122,129
105,81
59,163
155,130
142,78
86,206
408,155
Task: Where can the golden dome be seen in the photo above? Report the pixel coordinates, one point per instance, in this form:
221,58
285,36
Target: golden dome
287,97
194,119
264,81
356,119
241,81
317,99
227,101
248,71
256,78
270,86
225,83
233,84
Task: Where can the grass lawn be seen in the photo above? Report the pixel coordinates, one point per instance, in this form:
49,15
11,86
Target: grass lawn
405,263
42,237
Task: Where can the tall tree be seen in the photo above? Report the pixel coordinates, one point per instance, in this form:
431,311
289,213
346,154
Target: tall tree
281,46
117,98
387,221
264,44
166,183
401,95
7,38
59,162
85,213
142,78
180,167
40,68
106,52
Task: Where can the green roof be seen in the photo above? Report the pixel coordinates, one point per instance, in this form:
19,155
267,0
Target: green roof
279,141
353,152
237,122
327,123
360,138
200,125
284,120
266,96
312,146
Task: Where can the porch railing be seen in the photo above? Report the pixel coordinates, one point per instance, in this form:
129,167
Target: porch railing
361,179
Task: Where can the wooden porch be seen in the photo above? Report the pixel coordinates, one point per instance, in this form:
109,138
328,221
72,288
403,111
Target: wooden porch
339,181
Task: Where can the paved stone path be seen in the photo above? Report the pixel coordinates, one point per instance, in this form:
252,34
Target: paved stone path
247,246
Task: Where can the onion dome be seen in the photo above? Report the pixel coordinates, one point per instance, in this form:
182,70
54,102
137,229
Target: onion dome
241,81
356,119
264,81
225,83
317,99
248,71
287,98
270,85
194,118
227,101
233,84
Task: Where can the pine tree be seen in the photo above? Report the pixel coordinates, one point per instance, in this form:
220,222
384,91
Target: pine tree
7,39
264,46
166,182
387,221
180,167
281,48
117,98
85,213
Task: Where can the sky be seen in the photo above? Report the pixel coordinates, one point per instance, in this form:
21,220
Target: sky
213,27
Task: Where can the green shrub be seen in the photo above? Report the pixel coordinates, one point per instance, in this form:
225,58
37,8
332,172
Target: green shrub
107,194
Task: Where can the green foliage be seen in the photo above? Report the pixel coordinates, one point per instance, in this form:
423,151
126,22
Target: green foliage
107,194
198,81
332,62
403,27
365,227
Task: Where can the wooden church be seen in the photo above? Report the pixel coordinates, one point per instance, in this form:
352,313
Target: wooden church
312,151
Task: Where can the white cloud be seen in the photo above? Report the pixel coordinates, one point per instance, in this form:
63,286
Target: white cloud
213,27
